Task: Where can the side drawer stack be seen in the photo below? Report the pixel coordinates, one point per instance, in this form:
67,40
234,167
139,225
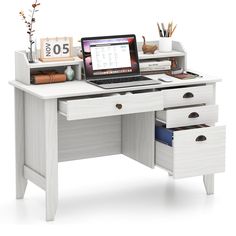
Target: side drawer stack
187,142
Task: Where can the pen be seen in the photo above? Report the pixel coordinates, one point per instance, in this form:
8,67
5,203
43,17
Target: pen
191,73
164,30
160,32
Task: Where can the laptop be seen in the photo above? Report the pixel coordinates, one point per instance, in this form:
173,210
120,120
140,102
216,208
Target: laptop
112,62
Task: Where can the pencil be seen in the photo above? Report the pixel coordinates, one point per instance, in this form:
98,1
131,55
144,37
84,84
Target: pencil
173,30
171,26
169,30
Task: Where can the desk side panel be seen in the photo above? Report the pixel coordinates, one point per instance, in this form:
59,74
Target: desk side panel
22,71
35,134
138,137
87,138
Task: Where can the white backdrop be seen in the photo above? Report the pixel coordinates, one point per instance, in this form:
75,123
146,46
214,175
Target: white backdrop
115,195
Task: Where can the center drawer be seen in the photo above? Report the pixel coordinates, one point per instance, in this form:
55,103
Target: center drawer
194,151
83,108
194,115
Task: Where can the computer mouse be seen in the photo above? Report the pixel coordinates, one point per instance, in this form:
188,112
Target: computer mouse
166,79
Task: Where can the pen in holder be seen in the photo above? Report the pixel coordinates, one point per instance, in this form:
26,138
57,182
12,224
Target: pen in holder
165,33
165,44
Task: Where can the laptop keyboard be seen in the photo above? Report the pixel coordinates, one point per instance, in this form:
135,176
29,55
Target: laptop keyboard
121,80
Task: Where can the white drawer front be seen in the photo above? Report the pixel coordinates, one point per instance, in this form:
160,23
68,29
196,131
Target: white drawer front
75,109
188,96
194,152
188,116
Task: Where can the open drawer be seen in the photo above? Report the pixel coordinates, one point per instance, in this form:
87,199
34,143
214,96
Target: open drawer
83,108
194,115
193,151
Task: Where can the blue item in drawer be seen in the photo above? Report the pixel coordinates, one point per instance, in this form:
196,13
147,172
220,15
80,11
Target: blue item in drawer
164,135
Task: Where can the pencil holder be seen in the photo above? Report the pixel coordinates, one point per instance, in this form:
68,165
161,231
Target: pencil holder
165,44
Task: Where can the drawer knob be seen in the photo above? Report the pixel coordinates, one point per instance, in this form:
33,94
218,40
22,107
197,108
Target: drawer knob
201,138
188,95
118,106
193,115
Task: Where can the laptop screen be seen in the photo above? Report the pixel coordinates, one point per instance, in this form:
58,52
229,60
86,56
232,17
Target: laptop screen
111,56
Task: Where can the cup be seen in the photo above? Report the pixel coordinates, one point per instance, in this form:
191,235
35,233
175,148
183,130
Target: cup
165,44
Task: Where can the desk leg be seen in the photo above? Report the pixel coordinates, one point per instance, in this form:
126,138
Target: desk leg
51,155
21,182
209,183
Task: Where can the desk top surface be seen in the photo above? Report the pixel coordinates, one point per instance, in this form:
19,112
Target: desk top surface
82,88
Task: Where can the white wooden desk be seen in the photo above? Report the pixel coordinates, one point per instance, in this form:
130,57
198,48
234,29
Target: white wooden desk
44,137
76,120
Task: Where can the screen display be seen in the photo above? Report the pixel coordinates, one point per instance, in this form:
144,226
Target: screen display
107,57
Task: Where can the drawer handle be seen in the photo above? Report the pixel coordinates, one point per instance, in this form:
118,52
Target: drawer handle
193,115
201,138
188,95
118,106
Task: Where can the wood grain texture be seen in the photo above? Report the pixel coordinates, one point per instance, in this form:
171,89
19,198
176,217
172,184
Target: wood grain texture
35,134
51,156
34,177
201,94
75,109
191,158
54,64
88,138
158,54
177,51
164,156
138,137
180,117
81,88
208,181
22,71
41,146
77,69
21,182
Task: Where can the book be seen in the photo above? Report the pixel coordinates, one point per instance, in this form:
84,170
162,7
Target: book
154,64
151,63
185,75
155,72
47,78
155,68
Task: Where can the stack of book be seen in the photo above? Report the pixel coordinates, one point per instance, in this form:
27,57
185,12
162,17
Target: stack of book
154,67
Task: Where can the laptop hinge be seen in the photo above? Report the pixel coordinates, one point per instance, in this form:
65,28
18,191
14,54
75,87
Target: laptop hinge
116,77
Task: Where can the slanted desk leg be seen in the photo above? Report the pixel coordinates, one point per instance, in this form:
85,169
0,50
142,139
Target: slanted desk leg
51,155
209,183
21,182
